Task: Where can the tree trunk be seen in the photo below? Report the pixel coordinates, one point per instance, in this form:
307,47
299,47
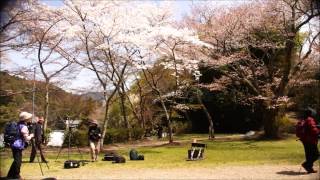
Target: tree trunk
210,120
271,118
46,108
123,109
168,119
105,123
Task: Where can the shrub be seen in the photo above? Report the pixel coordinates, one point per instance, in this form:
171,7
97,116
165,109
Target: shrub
137,133
122,135
78,137
47,134
115,135
287,125
181,127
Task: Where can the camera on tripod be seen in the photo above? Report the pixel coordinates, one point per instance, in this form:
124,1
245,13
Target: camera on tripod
71,127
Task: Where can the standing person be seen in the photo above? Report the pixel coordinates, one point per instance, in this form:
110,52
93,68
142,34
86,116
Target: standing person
307,132
94,135
19,144
38,140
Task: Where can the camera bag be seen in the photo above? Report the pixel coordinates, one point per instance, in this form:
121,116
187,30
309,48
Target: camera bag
71,164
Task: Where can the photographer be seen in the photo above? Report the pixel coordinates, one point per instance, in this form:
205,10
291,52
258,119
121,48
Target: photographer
19,144
94,135
38,139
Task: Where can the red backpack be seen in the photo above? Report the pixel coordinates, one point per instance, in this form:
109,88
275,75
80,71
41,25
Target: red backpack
301,129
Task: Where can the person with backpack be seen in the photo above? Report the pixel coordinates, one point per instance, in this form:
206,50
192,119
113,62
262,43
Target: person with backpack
19,144
94,135
307,132
38,140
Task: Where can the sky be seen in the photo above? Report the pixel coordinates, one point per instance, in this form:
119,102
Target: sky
18,59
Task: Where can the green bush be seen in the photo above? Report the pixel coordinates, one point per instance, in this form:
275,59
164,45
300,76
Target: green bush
115,135
137,133
47,134
287,125
181,127
122,135
79,138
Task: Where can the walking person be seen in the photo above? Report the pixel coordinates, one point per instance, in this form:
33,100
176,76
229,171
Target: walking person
38,140
94,135
19,144
308,132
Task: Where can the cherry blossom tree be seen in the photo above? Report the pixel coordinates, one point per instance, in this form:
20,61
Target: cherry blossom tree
46,39
171,46
256,46
127,37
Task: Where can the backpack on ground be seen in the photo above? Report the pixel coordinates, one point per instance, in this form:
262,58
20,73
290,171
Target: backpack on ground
71,164
109,156
119,159
134,155
301,129
11,133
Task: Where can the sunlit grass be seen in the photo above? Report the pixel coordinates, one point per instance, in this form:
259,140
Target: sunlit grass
217,153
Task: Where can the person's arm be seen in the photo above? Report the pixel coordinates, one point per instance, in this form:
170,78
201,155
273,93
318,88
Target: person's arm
25,133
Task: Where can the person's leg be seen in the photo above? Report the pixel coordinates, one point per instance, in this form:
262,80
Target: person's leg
314,154
97,150
14,171
308,164
92,150
33,151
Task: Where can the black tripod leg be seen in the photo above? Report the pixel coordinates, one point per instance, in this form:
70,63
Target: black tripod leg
47,165
32,141
77,144
39,165
59,153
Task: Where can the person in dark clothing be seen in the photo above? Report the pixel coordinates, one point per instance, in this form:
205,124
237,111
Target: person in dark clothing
310,141
19,144
37,141
94,135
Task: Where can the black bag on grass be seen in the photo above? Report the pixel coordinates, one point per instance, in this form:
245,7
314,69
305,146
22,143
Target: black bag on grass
134,155
109,156
71,164
119,159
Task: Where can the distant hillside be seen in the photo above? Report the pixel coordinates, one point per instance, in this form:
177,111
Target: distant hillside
16,95
97,96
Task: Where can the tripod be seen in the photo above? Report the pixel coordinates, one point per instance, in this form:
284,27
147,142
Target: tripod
70,134
37,156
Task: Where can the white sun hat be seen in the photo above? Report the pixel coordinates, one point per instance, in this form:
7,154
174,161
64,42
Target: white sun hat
25,116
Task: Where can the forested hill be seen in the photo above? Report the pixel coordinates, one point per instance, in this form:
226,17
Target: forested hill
16,95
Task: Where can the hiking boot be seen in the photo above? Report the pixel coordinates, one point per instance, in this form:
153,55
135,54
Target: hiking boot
305,167
312,171
308,169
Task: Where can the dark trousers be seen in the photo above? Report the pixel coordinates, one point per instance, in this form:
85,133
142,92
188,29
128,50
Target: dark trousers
14,171
36,146
311,153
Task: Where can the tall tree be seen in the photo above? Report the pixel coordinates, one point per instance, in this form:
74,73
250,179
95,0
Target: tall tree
256,46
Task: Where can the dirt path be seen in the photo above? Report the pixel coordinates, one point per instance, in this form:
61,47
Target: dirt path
230,172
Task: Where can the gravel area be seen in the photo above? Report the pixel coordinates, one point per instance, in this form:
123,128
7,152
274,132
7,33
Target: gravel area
224,172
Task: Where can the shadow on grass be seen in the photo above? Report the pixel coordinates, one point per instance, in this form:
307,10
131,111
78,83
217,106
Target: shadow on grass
292,173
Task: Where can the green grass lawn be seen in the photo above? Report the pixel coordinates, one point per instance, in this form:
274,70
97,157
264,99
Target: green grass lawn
217,153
